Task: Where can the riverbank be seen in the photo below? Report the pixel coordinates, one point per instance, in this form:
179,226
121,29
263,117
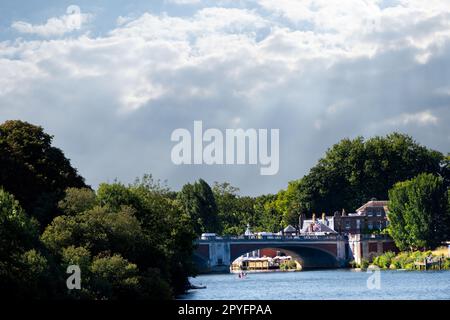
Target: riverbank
409,260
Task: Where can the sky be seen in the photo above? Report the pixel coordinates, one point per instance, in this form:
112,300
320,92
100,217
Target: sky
113,88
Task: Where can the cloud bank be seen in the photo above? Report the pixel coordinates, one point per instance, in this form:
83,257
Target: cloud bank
317,70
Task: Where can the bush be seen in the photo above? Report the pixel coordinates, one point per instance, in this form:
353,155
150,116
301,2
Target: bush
446,264
409,266
364,264
384,261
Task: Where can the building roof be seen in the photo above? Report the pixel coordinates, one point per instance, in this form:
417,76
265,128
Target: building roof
373,203
289,228
319,227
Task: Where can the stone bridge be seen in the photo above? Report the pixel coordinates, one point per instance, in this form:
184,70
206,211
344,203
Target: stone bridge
322,251
217,254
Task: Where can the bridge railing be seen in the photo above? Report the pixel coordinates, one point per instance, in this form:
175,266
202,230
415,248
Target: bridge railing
331,237
375,236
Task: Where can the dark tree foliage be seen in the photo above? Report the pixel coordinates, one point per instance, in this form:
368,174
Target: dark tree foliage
33,170
24,269
234,211
198,201
354,171
132,242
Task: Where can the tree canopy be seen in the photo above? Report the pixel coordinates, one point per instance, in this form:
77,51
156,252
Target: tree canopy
419,212
33,170
354,171
199,203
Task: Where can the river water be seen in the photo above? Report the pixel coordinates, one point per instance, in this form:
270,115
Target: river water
324,284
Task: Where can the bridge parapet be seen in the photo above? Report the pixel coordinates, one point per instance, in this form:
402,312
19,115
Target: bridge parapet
274,238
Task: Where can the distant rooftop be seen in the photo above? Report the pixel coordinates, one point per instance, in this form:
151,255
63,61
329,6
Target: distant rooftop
289,228
373,203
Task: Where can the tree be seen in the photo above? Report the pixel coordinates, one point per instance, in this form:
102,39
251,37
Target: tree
33,170
98,230
141,223
170,229
419,213
113,277
114,195
269,218
234,211
354,171
289,204
22,268
198,201
445,169
77,200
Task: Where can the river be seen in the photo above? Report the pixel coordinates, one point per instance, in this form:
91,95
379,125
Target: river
324,284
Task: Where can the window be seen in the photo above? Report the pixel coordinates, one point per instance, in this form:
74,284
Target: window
369,213
358,224
219,261
379,212
347,224
370,225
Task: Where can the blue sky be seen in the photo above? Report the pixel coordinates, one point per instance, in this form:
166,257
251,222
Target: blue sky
112,91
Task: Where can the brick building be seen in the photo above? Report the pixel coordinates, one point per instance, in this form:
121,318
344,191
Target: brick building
368,218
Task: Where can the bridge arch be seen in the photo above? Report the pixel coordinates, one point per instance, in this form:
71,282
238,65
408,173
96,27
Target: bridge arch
309,257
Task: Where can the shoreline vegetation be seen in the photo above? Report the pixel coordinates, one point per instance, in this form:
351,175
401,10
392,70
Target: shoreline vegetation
408,260
136,241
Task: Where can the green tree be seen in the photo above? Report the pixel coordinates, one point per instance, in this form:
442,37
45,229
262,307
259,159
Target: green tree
169,229
418,212
98,230
22,267
113,277
354,171
234,211
289,204
77,200
198,201
142,223
114,195
269,218
33,170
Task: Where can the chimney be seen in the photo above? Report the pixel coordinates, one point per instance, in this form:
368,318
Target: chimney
323,217
343,213
314,217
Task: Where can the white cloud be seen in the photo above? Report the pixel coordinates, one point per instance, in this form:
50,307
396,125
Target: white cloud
56,26
317,71
420,118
